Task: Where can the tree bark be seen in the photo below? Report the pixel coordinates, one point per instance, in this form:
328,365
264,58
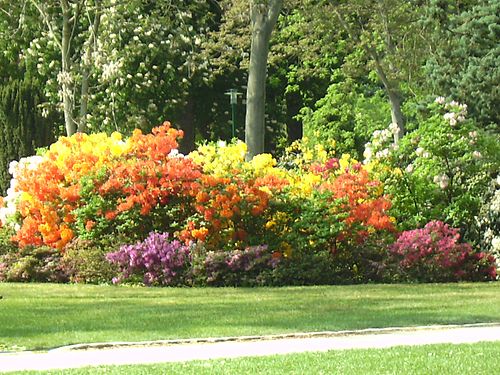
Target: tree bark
187,125
66,88
293,126
391,88
84,98
264,15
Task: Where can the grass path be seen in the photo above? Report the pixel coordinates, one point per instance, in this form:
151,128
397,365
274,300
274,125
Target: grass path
41,316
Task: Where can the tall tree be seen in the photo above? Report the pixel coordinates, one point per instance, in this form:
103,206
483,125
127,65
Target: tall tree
22,128
109,65
263,17
66,24
388,33
465,56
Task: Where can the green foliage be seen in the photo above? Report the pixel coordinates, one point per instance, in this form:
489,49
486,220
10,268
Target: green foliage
40,264
346,116
84,261
439,171
465,65
6,244
249,267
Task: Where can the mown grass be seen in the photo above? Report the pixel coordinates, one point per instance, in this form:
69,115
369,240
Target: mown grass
443,359
41,316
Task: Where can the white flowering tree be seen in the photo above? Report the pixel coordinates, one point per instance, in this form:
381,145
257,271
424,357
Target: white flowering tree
110,64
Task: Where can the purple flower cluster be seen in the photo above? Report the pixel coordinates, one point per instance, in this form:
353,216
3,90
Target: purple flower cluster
245,260
436,253
157,259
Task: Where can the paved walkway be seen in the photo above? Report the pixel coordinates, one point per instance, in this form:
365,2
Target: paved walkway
185,350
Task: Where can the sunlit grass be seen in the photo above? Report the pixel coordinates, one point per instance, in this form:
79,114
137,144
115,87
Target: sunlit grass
41,316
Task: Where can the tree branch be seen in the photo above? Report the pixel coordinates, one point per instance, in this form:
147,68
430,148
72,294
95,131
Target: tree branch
46,19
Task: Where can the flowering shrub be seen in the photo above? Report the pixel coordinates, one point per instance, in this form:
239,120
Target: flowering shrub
309,208
441,170
157,260
249,267
40,264
84,261
90,185
434,253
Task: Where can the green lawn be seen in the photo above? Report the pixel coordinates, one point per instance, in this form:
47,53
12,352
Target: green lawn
41,316
481,358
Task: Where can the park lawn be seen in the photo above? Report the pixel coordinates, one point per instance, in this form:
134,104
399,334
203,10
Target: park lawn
443,359
43,316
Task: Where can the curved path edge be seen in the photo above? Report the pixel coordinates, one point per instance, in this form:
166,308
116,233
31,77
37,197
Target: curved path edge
126,353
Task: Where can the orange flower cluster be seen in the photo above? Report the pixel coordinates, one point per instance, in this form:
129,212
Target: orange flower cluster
138,173
155,146
224,205
363,199
146,183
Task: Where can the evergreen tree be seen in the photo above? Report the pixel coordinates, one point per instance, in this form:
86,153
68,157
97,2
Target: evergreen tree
22,128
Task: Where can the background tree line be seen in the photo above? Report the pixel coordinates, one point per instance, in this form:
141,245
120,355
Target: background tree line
336,70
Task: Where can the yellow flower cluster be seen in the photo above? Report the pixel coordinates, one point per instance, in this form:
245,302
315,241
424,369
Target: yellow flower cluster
82,153
220,159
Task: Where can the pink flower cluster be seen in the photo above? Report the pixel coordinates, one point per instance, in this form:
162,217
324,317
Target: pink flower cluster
436,254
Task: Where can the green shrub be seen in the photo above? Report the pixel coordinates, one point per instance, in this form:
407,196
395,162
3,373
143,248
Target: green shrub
84,261
251,266
6,244
39,264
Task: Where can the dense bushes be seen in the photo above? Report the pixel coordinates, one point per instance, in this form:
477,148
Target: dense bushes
136,210
434,253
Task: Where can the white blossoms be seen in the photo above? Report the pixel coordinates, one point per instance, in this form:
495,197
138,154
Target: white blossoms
10,201
440,100
477,155
174,153
457,113
394,128
442,180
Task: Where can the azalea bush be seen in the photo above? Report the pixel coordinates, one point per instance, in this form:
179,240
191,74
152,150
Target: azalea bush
311,217
39,264
251,266
84,261
157,260
436,254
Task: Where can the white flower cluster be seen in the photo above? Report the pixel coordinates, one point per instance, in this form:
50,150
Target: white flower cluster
174,153
422,153
379,138
442,180
111,70
457,113
10,200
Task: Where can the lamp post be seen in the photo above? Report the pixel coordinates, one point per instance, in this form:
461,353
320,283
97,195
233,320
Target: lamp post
233,100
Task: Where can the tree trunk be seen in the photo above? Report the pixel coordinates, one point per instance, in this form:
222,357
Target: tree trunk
65,78
263,19
84,99
293,126
396,114
187,124
391,88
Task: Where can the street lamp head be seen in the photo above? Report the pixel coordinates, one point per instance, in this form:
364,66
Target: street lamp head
233,96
